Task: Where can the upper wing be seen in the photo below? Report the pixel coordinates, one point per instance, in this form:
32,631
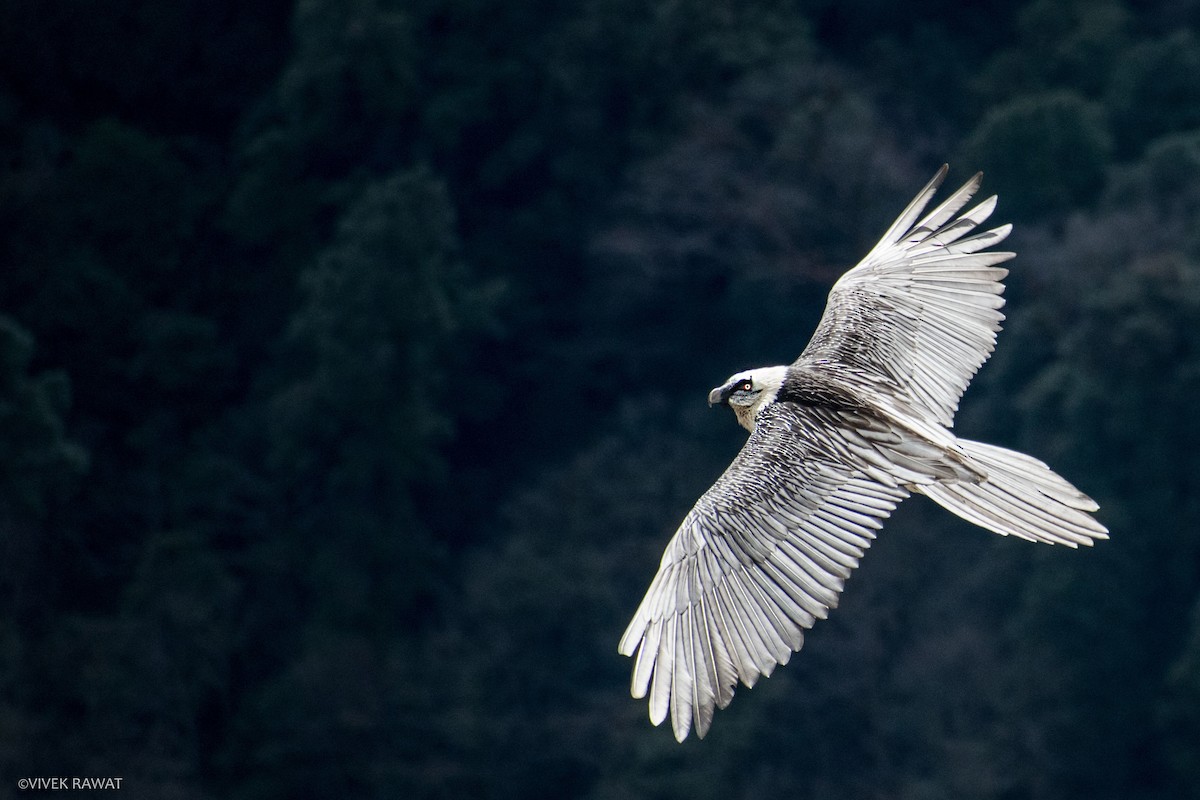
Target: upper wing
920,312
762,555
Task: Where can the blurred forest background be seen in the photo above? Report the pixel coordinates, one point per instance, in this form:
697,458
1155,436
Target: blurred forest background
353,364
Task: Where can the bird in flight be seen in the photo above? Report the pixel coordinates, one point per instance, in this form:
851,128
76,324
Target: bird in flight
837,439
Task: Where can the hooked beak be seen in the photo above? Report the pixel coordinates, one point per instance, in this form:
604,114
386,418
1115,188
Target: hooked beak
718,395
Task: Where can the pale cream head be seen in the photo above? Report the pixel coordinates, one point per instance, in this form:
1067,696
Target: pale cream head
748,392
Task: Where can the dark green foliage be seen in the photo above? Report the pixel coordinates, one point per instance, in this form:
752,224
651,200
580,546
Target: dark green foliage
371,378
352,378
39,458
1177,714
1048,152
1076,43
1158,91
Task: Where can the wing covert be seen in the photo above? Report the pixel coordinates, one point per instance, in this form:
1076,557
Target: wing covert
761,556
920,312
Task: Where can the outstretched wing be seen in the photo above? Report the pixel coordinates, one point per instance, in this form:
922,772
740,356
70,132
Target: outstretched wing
920,312
762,556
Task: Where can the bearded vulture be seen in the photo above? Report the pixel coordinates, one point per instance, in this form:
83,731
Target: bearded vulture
837,439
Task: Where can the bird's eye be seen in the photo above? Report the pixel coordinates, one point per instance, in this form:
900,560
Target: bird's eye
746,386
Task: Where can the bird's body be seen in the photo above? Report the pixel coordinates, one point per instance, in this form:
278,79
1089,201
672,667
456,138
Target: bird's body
837,439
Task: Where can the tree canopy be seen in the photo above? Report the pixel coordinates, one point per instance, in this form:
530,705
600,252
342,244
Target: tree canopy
353,360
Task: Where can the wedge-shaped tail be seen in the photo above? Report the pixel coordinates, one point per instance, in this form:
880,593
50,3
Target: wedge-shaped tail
1021,496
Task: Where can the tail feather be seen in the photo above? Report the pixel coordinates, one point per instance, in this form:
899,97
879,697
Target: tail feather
1021,497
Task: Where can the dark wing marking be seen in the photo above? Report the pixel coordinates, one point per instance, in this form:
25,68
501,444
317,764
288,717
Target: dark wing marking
920,312
762,556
